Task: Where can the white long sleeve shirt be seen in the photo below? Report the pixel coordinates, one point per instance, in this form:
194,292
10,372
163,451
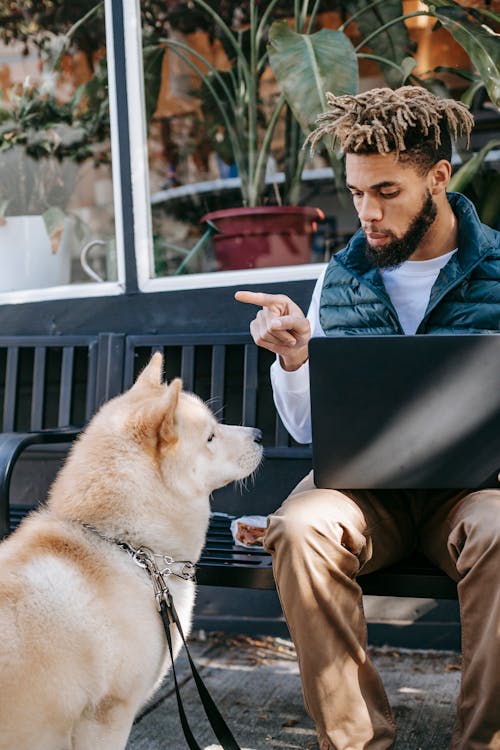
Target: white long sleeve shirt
409,288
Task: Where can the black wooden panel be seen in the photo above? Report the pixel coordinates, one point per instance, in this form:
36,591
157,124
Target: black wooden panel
47,381
38,395
174,312
66,384
10,396
217,379
250,383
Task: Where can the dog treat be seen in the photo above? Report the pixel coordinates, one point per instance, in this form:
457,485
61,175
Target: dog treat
248,531
249,535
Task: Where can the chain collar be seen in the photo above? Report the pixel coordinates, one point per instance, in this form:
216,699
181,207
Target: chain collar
157,566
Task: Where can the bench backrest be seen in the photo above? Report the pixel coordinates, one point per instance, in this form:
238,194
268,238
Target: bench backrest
56,381
47,381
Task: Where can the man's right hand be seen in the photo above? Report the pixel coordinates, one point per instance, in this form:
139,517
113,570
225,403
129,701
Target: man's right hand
279,326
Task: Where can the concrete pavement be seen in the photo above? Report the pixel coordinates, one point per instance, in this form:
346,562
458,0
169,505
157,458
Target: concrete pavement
255,683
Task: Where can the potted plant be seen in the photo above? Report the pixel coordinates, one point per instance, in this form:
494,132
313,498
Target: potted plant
254,234
42,141
306,65
473,29
297,62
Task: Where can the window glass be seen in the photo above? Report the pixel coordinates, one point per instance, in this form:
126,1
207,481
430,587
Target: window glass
56,192
220,139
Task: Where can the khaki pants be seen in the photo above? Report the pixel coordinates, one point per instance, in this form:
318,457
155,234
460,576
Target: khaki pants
321,540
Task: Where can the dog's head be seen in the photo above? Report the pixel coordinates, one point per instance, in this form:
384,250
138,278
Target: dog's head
177,434
186,435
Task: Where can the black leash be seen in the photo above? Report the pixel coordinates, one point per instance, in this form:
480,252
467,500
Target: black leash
165,604
217,722
184,569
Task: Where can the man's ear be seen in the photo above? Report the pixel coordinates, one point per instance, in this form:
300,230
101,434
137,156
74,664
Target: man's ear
152,375
154,420
440,175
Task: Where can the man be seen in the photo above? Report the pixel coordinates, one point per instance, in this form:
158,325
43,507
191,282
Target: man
421,263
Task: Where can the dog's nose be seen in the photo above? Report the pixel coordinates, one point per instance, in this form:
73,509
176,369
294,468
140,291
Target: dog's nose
257,436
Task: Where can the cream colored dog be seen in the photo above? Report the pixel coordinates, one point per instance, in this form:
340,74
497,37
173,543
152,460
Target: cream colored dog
81,641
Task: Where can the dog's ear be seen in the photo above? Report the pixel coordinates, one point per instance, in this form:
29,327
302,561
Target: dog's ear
152,373
166,432
154,422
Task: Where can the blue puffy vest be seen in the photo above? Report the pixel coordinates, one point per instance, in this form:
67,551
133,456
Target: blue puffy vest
465,297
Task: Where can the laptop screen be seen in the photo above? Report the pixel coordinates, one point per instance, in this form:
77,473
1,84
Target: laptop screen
405,411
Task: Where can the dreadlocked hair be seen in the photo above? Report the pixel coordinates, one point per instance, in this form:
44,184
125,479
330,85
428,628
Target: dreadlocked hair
410,121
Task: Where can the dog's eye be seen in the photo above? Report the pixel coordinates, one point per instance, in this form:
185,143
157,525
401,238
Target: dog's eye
211,437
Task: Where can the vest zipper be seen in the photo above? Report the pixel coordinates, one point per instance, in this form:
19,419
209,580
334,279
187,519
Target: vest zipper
444,292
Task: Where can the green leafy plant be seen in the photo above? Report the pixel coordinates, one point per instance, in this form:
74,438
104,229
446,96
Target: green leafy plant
41,141
301,62
243,127
306,65
473,29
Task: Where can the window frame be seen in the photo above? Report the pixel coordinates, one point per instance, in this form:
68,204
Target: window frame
131,193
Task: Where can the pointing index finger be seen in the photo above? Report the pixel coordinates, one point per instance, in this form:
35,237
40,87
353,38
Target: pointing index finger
261,299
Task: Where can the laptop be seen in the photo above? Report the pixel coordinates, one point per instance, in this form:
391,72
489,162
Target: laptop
395,412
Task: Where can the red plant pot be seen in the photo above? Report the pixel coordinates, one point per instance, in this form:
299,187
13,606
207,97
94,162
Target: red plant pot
264,236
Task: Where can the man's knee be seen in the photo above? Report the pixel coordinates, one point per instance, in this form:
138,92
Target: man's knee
476,537
316,518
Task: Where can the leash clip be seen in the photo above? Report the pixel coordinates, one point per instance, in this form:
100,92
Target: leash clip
160,588
143,557
188,571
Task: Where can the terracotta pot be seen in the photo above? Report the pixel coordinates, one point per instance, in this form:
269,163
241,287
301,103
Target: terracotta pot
264,236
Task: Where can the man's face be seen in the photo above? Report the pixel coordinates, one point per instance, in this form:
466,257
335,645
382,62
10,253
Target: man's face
394,205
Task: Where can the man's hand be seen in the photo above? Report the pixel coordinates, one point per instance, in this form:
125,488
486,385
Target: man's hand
280,326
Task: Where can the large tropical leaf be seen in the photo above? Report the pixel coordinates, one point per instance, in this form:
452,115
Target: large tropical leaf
479,14
481,183
153,61
468,171
489,199
480,42
393,43
308,65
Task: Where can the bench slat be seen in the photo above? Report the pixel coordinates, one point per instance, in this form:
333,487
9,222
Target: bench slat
65,388
217,380
187,367
38,393
223,563
10,398
250,381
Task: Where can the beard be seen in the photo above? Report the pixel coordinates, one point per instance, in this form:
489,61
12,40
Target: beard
399,249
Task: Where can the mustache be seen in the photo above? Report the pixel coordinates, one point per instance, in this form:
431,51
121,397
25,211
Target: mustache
377,230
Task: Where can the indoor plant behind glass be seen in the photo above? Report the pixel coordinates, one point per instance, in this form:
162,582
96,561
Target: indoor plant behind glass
42,142
244,129
473,29
257,234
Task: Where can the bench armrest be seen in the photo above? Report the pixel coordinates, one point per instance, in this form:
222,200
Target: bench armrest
12,445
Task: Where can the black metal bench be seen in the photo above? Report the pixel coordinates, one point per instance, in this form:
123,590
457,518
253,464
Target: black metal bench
51,386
